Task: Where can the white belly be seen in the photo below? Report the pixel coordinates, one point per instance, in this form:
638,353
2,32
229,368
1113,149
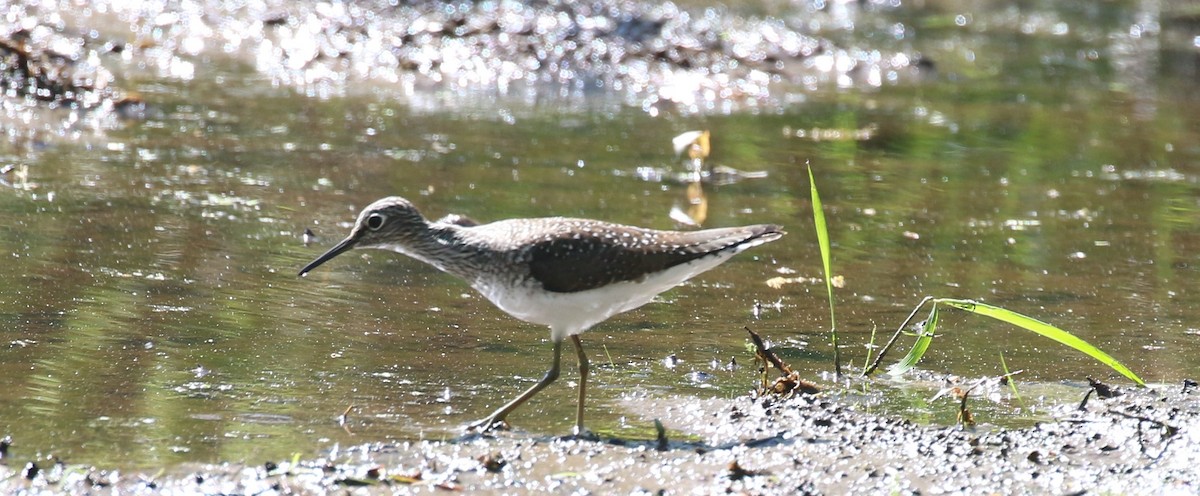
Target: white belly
569,314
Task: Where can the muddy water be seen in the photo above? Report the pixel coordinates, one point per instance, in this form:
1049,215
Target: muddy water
151,312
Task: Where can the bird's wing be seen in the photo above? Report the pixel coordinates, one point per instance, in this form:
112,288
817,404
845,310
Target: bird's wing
581,260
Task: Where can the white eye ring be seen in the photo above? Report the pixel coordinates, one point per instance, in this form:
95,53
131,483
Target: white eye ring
375,221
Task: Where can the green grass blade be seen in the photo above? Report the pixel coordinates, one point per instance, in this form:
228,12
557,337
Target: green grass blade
1047,330
823,243
896,335
920,347
1012,381
870,348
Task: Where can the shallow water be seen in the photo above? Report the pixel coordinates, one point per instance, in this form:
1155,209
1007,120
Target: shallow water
151,312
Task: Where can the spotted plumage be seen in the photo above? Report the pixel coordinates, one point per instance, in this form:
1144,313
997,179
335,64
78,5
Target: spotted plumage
577,261
568,274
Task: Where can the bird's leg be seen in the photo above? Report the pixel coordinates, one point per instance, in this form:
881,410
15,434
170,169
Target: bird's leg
583,377
498,416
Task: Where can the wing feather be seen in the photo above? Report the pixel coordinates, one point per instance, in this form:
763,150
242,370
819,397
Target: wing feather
576,260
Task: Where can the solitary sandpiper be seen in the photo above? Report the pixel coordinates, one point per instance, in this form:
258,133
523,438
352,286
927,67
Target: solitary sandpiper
569,274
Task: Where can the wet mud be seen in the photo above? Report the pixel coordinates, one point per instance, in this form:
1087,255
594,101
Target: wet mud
1141,441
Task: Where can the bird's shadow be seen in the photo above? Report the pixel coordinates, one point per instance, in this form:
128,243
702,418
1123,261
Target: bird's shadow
663,445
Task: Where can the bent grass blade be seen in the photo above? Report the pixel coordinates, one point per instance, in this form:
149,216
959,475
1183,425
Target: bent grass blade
1044,329
924,339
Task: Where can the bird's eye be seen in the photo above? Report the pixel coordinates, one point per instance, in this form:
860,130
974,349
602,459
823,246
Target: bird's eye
375,221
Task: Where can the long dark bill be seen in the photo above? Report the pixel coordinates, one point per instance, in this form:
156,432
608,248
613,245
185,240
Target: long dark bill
345,245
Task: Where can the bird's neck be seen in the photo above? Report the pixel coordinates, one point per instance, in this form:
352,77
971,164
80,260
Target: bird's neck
445,246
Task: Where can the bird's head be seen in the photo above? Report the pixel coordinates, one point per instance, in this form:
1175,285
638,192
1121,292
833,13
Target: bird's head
391,223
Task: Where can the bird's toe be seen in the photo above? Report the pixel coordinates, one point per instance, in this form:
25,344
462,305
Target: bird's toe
487,425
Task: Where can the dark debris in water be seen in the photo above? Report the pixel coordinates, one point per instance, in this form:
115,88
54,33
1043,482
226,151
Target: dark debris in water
1145,440
57,80
31,471
33,66
736,472
789,381
1103,390
492,462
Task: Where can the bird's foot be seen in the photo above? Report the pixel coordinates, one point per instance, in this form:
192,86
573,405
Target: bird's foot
486,425
581,434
